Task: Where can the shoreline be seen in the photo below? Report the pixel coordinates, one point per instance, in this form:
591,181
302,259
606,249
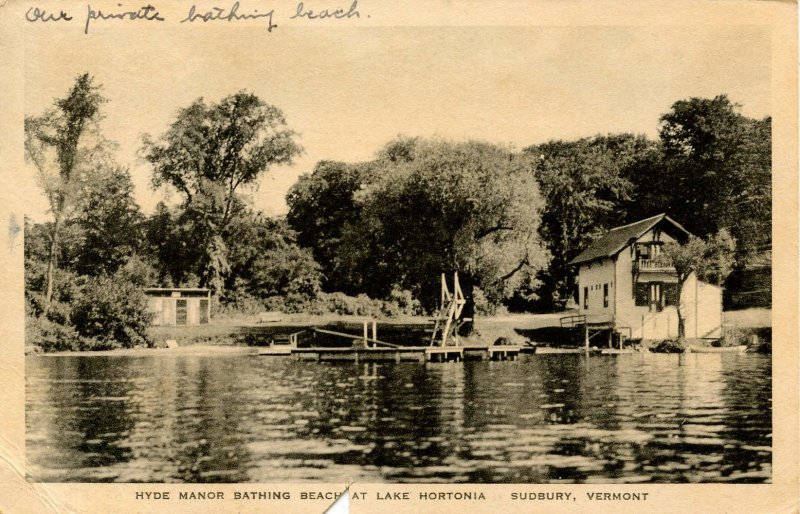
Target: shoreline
247,336
195,349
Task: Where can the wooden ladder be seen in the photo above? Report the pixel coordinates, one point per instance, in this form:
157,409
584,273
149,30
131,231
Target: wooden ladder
449,313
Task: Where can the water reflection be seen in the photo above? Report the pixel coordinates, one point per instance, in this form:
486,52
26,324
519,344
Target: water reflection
547,418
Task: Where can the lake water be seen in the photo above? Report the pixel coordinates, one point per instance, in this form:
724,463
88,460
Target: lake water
544,418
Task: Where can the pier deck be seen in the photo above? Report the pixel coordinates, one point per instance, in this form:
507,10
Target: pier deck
398,354
409,353
492,353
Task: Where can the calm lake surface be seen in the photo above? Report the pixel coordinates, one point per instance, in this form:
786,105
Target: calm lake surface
545,418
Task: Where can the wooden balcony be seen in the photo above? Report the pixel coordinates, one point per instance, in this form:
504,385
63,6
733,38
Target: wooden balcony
645,265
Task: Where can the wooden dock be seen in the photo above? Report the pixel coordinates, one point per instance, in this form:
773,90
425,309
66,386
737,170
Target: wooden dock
492,353
366,347
322,354
282,344
398,354
444,353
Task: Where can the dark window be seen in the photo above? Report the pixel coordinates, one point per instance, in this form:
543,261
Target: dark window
203,311
585,298
642,295
655,295
670,294
605,295
180,312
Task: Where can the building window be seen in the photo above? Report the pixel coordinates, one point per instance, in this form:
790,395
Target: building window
656,295
641,295
585,298
605,295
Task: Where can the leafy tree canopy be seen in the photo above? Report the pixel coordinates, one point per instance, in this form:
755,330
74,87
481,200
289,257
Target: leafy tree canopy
711,259
434,206
321,205
110,222
718,170
585,186
207,154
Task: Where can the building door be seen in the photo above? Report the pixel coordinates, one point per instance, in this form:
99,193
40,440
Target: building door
180,312
203,311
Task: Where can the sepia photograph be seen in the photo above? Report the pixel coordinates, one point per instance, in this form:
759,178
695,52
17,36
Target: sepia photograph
256,250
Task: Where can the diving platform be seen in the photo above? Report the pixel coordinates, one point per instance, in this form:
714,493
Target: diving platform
445,343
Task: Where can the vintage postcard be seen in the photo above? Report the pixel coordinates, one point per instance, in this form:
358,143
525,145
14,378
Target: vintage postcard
435,256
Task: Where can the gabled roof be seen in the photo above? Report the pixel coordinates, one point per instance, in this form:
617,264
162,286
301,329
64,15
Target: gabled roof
618,238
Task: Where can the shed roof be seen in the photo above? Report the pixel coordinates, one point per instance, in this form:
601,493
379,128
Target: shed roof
618,238
178,289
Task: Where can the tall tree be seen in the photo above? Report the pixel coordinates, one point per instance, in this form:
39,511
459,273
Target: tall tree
208,153
434,206
710,260
718,170
61,143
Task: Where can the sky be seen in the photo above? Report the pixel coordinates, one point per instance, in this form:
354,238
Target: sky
349,90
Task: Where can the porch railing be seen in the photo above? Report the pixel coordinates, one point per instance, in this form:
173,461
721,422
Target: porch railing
654,265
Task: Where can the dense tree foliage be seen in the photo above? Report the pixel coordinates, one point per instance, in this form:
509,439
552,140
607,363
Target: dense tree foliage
207,154
87,311
110,224
717,171
433,206
170,245
271,264
322,206
586,190
710,169
111,312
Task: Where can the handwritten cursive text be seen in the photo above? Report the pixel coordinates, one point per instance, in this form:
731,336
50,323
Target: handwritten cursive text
36,14
231,14
147,13
338,13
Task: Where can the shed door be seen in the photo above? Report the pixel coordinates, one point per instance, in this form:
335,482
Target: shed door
203,311
180,312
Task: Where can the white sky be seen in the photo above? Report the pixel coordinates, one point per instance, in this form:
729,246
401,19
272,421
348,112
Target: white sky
347,91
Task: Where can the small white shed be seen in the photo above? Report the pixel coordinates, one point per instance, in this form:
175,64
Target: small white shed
179,305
